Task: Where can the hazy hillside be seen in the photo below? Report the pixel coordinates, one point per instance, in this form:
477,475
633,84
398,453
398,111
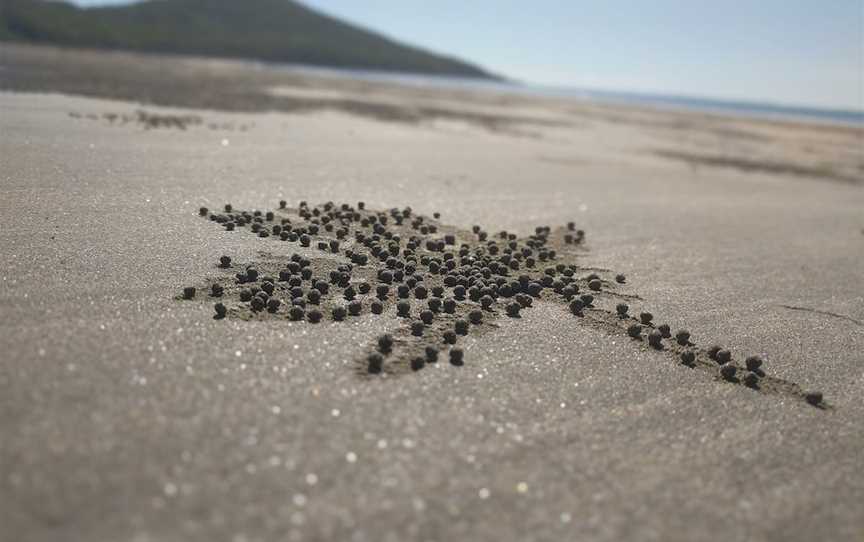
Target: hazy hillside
274,30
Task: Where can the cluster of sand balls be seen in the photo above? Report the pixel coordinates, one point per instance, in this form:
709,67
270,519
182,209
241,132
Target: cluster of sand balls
445,283
436,282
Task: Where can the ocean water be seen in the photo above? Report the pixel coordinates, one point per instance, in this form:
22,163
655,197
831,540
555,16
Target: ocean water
707,105
743,108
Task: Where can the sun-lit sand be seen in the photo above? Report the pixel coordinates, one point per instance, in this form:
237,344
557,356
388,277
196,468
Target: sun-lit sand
128,414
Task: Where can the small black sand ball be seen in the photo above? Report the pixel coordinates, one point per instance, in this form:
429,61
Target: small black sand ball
267,287
622,309
403,291
427,317
513,309
634,331
417,364
646,318
251,275
375,363
751,380
216,290
814,398
228,208
305,240
595,285
417,329
403,309
682,336
486,301
728,372
435,304
449,337
620,279
296,313
189,292
314,316
449,305
349,293
587,299
203,211
273,304
355,308
461,326
220,309
225,261
229,226
257,304
381,291
688,357
339,313
754,363
283,204
713,350
376,307
385,343
431,354
476,317
576,307
456,357
420,292
724,356
664,330
313,296
655,339
459,292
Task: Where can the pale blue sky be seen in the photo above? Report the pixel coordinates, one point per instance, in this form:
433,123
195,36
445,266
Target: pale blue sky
800,52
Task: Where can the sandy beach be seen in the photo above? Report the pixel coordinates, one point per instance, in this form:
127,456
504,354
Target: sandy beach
127,414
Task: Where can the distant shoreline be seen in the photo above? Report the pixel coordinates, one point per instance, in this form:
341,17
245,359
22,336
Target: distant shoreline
739,108
231,84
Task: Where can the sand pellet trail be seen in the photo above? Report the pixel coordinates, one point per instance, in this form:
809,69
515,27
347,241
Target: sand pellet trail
333,262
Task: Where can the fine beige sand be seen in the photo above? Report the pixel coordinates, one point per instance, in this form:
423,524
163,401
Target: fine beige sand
126,414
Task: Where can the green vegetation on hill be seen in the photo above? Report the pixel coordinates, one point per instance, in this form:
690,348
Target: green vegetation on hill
270,30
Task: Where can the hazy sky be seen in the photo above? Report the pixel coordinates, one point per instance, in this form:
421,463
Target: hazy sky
808,52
